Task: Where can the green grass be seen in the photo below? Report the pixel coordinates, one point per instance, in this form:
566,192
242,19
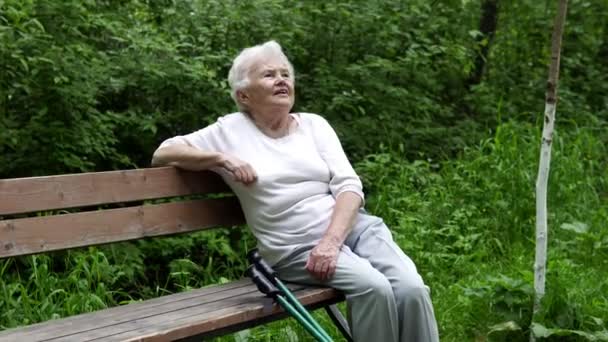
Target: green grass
468,223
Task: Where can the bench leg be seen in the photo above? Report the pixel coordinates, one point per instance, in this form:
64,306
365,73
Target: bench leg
339,320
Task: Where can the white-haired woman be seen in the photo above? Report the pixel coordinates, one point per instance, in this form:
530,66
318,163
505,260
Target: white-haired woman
304,202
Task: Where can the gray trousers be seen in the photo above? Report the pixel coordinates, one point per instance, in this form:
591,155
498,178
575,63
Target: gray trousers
386,297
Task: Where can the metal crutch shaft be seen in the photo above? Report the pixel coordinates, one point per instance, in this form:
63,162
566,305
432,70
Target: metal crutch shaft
266,287
256,259
301,308
305,322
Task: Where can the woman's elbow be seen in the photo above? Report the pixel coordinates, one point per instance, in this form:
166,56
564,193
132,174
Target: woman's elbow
158,158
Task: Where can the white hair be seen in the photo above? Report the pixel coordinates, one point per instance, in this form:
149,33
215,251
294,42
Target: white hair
238,76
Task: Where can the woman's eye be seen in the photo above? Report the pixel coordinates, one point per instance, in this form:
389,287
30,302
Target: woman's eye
285,75
268,75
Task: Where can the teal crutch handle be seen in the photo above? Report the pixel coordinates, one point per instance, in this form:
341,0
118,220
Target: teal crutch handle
255,258
263,284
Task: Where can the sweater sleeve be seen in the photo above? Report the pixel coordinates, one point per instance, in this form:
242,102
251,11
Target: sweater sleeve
342,175
204,139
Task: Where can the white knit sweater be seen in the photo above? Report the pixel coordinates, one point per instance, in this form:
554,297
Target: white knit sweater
299,177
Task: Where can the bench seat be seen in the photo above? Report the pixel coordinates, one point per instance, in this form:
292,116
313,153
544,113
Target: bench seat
205,312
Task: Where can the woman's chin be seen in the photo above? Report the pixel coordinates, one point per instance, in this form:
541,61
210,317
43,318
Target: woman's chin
282,103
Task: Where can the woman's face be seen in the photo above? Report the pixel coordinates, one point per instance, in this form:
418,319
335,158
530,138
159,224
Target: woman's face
270,87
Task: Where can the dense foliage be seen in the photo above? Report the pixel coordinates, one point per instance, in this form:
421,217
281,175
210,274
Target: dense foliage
440,117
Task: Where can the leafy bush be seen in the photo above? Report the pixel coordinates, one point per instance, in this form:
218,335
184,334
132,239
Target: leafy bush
97,85
468,223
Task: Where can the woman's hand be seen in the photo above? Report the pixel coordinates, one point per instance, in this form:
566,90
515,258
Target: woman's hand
240,170
323,259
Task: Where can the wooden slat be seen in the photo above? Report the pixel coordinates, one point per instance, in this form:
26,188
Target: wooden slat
94,324
198,312
49,233
119,314
249,308
23,195
136,323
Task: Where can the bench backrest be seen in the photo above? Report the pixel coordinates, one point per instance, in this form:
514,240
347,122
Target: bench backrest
127,218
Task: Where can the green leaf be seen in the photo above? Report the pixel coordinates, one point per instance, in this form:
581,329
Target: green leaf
242,336
24,64
504,326
540,330
576,226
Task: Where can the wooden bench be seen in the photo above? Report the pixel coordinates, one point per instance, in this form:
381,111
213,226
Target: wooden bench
191,315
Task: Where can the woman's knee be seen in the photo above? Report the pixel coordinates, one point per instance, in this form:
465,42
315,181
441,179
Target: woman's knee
374,284
411,290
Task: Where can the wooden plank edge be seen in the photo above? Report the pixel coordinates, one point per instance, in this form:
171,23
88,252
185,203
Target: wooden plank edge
76,324
36,194
311,299
36,235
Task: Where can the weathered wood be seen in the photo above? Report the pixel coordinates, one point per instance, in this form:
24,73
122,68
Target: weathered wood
115,315
249,308
198,312
23,195
49,233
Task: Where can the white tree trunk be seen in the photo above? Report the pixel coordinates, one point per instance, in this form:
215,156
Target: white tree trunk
545,161
541,205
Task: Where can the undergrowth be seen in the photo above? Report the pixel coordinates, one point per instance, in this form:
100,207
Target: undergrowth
468,223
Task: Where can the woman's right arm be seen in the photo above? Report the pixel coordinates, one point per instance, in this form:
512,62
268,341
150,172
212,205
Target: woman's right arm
188,157
185,156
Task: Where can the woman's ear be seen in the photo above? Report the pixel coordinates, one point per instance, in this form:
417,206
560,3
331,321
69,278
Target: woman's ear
242,96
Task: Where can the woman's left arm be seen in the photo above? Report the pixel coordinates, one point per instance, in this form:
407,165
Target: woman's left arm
323,258
346,188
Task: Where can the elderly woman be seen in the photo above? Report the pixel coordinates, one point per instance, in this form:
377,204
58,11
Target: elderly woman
304,202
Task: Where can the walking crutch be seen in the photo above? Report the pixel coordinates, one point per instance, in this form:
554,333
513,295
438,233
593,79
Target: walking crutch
265,286
262,266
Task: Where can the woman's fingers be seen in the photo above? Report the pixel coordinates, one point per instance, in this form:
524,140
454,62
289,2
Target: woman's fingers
246,175
320,270
314,267
324,271
252,173
331,270
239,175
243,172
320,266
249,174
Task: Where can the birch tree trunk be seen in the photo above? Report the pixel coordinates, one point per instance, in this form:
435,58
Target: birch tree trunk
545,161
